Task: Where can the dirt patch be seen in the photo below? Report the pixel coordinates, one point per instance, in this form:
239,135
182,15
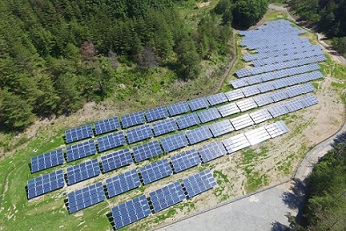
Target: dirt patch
203,4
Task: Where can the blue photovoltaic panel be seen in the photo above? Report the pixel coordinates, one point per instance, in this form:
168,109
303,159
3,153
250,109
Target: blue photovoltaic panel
262,100
122,183
78,133
208,115
234,95
279,95
188,120
164,126
228,109
130,211
140,133
178,108
107,125
174,142
198,134
155,171
116,160
133,119
47,160
199,103
110,141
309,100
45,183
85,197
212,151
167,196
80,150
278,110
217,99
83,171
156,113
185,160
221,128
147,150
199,183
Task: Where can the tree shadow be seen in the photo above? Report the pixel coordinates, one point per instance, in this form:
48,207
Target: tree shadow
277,226
339,139
296,197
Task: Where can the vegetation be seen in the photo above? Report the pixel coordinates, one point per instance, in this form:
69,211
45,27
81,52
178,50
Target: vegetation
326,205
329,17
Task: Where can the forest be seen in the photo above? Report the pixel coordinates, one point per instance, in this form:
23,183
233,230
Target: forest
56,55
328,16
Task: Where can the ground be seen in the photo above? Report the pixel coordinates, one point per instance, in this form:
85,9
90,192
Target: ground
237,174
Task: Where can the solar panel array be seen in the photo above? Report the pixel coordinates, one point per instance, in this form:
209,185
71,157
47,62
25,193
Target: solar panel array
85,197
83,171
217,98
212,151
81,150
130,211
167,196
187,121
156,113
116,160
198,103
138,134
133,119
208,115
78,133
147,150
198,134
45,183
156,171
178,108
198,183
220,128
164,126
47,160
122,183
174,142
228,109
107,125
185,160
111,141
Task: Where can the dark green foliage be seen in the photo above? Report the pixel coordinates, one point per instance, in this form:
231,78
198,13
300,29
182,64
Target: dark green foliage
248,12
340,45
329,15
326,206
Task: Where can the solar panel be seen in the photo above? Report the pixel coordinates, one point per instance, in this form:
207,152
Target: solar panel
85,197
212,151
278,110
140,133
217,98
250,91
198,103
78,133
234,95
276,129
257,135
45,183
110,141
156,171
147,150
130,211
188,120
246,104
242,121
236,143
178,108
122,183
228,109
156,113
260,116
174,142
198,134
279,95
116,160
221,128
294,105
198,183
167,196
47,160
165,126
107,125
81,150
208,115
83,171
185,160
133,119
309,100
262,100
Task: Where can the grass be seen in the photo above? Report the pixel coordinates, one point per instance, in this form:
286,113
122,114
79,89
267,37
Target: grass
223,184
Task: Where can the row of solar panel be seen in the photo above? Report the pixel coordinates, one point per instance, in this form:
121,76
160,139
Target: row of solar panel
300,48
169,195
247,81
277,24
152,172
278,66
141,152
284,39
